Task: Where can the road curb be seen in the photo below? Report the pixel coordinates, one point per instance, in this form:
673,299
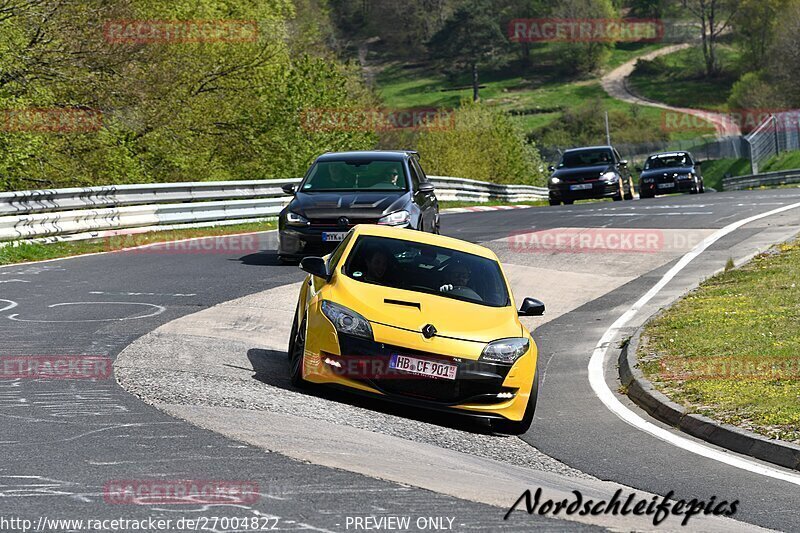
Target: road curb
659,406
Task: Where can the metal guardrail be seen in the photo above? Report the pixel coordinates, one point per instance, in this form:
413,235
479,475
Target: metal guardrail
92,212
767,179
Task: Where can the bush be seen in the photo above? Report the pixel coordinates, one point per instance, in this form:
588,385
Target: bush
483,144
585,125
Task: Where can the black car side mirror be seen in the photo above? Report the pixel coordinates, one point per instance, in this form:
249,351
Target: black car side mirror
623,162
551,168
289,188
315,266
531,307
426,187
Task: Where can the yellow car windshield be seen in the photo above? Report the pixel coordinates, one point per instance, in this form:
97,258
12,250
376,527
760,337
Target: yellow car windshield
429,269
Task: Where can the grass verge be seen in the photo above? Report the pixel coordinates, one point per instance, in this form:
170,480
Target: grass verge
715,169
25,252
678,79
537,95
731,349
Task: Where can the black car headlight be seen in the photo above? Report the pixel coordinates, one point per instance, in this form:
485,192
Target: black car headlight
505,350
398,218
555,180
293,219
647,180
346,320
610,177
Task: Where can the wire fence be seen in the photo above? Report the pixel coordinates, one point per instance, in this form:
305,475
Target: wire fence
778,133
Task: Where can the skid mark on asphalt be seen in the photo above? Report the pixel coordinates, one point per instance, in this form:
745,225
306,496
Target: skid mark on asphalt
158,309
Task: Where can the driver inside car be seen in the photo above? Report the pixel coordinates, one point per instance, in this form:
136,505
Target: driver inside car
458,275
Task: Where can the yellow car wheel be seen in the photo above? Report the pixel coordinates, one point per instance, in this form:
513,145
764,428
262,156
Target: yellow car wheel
297,346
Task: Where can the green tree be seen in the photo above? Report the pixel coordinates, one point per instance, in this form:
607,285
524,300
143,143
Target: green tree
469,38
754,26
484,144
584,57
715,17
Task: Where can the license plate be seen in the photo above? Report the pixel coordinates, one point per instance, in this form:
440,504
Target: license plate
423,367
666,185
580,186
333,236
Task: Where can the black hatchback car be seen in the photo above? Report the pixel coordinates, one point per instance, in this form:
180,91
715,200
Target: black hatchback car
342,189
670,172
591,172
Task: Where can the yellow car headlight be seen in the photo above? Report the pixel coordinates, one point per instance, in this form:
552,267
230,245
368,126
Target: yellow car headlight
505,350
346,320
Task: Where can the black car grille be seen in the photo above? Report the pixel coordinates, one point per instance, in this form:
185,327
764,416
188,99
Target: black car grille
476,381
334,222
579,178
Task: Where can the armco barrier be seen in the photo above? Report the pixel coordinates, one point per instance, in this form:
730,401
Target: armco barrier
767,179
89,212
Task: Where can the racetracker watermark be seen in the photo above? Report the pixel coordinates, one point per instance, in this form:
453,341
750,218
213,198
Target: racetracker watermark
584,30
730,368
180,31
179,491
744,120
374,120
602,240
55,367
658,507
50,120
137,243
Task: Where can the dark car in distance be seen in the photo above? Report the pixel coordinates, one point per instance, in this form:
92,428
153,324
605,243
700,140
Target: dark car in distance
670,172
342,189
590,172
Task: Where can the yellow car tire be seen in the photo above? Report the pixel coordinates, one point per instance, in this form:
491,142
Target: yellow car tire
297,346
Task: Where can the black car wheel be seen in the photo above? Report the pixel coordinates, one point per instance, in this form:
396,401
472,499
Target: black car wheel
297,346
509,427
569,202
554,202
702,187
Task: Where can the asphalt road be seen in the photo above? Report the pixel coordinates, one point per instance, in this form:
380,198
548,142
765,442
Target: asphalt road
64,440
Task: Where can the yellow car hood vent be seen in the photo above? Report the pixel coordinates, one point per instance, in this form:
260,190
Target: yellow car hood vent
413,311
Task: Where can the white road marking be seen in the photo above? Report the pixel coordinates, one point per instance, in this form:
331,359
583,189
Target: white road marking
601,389
158,310
141,293
11,304
14,281
649,214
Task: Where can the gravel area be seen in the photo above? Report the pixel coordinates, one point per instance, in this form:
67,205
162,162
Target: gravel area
201,371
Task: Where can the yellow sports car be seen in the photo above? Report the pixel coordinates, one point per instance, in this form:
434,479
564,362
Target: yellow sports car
420,319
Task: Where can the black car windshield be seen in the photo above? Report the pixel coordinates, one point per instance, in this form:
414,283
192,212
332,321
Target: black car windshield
586,158
667,161
355,176
429,269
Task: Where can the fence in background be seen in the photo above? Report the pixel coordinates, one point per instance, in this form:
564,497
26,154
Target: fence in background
95,212
777,133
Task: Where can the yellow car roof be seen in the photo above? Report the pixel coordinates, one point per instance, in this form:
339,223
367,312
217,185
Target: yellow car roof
424,238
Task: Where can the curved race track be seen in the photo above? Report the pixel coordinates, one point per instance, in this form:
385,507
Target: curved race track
200,336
